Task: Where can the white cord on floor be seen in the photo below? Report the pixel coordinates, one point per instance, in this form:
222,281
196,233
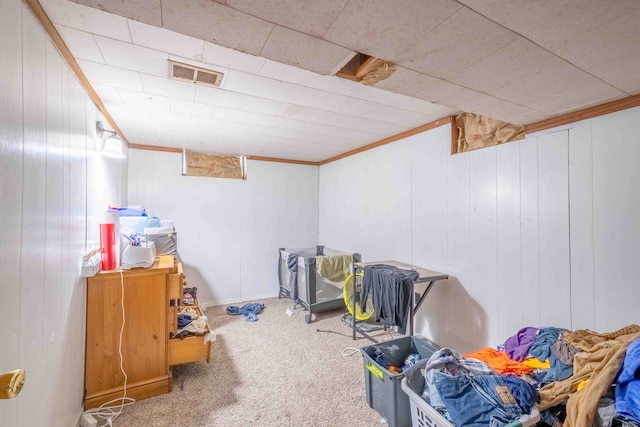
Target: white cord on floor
350,351
109,413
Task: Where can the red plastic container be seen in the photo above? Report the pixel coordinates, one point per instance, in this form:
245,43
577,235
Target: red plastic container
108,246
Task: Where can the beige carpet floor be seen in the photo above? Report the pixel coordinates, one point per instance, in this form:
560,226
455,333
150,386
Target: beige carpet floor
278,371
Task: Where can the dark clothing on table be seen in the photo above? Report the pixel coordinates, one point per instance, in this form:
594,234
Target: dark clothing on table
391,289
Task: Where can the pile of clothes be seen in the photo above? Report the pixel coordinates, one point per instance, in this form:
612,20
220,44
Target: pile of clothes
576,379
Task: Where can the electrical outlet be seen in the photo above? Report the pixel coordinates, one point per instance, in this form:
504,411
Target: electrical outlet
88,421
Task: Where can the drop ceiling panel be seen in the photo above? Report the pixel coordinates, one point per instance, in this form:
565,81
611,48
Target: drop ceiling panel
131,57
386,114
263,106
193,108
81,44
166,87
213,22
145,100
108,94
305,51
314,98
621,72
385,29
287,73
417,85
612,40
525,59
87,19
111,76
546,83
230,58
397,100
512,113
164,40
251,84
308,16
495,10
217,97
551,23
149,11
588,95
461,41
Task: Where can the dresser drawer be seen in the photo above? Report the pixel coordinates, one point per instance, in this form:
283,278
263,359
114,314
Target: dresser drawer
188,349
176,279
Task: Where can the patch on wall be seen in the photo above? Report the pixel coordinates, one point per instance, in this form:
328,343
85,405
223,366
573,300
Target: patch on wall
476,131
212,165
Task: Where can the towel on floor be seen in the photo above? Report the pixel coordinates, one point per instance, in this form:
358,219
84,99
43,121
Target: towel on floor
250,311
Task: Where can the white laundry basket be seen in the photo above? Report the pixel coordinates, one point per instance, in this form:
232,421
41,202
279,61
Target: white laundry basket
423,415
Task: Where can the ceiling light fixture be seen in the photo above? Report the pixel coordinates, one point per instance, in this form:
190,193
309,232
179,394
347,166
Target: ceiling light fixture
109,143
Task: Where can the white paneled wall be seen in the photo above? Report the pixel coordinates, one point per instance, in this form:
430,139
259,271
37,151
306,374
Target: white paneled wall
544,231
47,141
229,230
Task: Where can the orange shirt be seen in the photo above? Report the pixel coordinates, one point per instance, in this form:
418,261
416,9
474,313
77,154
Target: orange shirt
500,362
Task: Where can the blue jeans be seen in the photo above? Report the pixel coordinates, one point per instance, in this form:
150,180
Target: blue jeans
477,401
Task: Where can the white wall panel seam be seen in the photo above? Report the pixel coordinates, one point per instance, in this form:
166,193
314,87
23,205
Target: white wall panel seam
593,226
569,231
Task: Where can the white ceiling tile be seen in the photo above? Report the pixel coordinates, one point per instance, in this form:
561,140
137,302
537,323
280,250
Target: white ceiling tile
414,84
263,106
546,83
551,23
385,29
167,87
593,93
251,84
107,94
216,23
468,100
149,11
511,113
241,116
404,102
286,73
461,41
305,51
187,107
87,19
308,16
341,132
606,43
166,40
384,113
298,125
217,97
495,10
314,98
621,72
111,76
233,59
525,59
131,57
144,100
81,44
332,84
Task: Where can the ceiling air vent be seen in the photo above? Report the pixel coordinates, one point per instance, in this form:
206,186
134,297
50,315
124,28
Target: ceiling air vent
193,74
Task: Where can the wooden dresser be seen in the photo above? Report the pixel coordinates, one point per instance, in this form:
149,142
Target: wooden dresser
152,299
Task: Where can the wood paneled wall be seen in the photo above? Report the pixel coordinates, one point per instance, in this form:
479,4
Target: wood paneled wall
229,230
50,201
545,231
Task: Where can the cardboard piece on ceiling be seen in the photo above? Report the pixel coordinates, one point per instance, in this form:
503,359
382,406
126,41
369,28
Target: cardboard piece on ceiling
212,165
476,131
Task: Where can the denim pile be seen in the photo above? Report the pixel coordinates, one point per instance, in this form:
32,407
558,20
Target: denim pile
580,378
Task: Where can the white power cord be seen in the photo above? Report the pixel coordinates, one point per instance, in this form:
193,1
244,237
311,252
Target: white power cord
110,413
